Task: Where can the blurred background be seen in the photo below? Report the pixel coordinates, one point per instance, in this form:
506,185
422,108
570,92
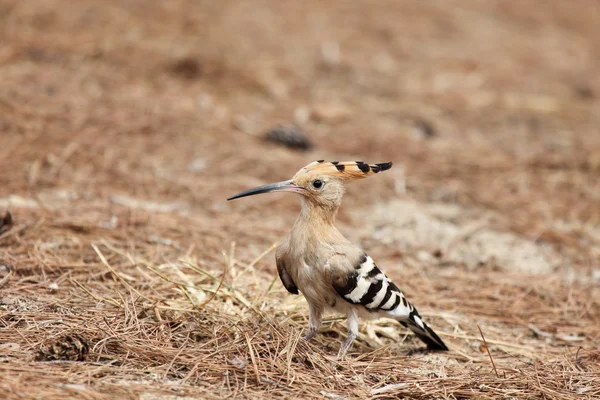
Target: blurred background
485,104
130,122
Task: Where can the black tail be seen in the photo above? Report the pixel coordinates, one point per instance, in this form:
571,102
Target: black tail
423,332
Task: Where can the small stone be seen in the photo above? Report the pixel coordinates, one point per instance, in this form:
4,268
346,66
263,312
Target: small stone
187,68
290,136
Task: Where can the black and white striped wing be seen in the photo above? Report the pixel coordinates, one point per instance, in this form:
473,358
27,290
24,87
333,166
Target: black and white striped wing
365,285
368,286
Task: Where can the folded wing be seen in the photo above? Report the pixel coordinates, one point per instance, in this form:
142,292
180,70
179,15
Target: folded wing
363,284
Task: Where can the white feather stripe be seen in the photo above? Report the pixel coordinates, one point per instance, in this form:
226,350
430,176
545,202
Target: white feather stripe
362,283
381,294
400,311
418,321
390,301
362,286
366,267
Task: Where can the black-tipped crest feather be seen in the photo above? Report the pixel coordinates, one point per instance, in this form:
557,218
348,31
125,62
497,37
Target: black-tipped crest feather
347,169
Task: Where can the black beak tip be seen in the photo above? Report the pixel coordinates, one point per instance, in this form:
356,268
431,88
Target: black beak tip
272,187
235,196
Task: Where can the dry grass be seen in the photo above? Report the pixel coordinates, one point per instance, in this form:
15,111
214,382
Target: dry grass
125,125
176,326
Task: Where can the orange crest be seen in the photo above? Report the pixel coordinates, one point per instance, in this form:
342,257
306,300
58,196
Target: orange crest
347,170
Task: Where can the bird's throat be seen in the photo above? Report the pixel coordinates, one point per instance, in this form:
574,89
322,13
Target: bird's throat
316,215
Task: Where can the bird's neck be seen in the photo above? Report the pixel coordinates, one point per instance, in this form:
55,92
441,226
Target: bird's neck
316,215
314,225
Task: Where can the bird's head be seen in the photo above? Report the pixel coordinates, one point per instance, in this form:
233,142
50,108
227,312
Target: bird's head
321,182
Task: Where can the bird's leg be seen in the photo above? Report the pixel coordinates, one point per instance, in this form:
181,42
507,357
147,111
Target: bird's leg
314,321
352,333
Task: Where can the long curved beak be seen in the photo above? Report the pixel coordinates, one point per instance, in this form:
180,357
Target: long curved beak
285,186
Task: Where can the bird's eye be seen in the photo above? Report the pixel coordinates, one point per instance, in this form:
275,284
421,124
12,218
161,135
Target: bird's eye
317,183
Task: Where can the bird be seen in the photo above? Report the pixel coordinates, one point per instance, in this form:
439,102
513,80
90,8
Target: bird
315,259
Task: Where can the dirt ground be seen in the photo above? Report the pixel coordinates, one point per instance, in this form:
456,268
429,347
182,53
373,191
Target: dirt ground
124,126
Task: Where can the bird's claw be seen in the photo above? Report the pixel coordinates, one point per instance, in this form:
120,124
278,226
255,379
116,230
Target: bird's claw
309,334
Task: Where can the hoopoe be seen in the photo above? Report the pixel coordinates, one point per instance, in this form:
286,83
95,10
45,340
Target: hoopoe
332,273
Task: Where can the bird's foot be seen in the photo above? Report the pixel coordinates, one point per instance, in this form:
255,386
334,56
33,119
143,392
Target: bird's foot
345,346
309,334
